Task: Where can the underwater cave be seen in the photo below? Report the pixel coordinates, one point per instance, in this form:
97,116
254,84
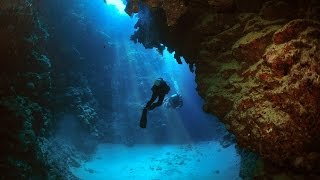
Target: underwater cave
160,90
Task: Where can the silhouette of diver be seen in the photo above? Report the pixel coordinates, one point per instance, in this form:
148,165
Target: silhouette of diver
159,90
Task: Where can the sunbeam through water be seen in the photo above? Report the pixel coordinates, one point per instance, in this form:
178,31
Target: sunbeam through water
178,143
118,4
159,89
105,79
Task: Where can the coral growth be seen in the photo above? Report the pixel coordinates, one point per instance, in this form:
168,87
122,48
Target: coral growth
28,95
25,92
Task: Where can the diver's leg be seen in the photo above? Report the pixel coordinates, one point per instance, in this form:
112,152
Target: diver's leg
153,98
158,103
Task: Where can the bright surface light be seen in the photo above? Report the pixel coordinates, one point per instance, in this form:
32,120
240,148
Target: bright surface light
118,4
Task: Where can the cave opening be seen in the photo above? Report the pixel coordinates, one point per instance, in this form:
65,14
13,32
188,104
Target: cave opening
76,77
75,100
106,80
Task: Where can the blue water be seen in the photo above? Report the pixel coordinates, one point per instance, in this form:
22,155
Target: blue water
177,144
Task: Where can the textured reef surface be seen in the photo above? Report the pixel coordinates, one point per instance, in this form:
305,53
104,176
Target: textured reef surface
257,67
25,83
35,94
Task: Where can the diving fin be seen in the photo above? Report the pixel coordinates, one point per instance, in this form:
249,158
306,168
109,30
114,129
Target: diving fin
143,120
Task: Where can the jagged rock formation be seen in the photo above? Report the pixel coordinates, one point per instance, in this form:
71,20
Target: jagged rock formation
257,67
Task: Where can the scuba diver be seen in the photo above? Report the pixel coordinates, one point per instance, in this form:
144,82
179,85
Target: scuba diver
159,90
173,102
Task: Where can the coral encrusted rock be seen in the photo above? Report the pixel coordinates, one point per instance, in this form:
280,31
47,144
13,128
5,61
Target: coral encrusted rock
257,68
278,114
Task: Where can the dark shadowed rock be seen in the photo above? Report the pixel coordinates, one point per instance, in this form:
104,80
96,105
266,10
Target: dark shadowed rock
273,10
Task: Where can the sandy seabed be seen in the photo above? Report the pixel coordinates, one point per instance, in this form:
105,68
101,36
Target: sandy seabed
201,161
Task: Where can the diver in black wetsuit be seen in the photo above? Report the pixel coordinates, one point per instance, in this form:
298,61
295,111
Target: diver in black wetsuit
159,90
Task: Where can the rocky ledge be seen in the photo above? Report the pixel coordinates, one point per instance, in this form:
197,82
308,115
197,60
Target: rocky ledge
257,67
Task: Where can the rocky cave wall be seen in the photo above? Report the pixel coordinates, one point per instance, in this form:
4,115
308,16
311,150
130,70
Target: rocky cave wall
82,59
25,93
257,68
43,78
